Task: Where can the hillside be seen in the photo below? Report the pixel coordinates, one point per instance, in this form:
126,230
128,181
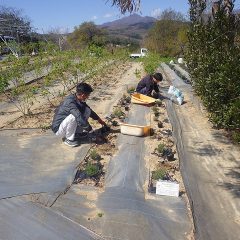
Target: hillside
132,28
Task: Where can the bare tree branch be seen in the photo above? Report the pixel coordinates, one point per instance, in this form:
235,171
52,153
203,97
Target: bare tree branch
127,5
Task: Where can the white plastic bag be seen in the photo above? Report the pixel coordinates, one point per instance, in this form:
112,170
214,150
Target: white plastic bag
171,90
176,93
180,60
180,100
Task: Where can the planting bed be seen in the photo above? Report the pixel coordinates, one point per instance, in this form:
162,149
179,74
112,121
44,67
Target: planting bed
161,157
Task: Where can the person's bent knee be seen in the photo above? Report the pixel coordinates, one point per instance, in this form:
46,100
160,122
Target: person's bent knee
71,118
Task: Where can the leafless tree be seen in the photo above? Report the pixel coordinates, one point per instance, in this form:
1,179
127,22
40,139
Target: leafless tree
12,23
126,5
58,35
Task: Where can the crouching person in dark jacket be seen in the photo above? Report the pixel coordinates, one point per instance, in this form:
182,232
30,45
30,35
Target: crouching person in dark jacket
149,83
71,117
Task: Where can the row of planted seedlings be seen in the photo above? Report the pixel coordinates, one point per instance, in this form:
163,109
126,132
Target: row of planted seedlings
179,74
164,164
17,81
92,169
66,71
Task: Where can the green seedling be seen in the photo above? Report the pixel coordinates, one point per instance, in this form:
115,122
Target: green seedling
45,127
128,99
131,90
100,214
155,109
160,148
92,169
159,174
118,112
137,73
158,102
95,155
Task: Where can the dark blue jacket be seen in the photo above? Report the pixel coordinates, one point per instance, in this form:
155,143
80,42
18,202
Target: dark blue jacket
149,85
71,105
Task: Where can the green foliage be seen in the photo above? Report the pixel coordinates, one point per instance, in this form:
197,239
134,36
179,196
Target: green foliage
4,81
64,68
168,36
118,112
236,137
155,109
130,90
92,169
158,102
100,214
95,155
159,174
160,148
87,34
213,59
137,73
151,62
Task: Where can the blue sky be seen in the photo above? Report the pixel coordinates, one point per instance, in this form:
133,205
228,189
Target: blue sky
63,14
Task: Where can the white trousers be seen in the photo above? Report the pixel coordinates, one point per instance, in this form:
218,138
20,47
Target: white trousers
69,126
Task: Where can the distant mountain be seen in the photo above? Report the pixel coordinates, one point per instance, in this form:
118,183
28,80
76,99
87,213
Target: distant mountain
128,21
131,28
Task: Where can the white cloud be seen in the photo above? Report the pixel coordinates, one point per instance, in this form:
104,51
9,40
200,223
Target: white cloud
108,15
94,17
156,13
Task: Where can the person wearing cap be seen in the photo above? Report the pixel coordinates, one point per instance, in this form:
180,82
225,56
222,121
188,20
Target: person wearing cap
149,83
71,117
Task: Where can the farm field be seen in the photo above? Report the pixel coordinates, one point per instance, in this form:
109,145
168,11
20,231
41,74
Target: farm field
111,95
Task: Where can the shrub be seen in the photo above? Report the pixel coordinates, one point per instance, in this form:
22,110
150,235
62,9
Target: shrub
236,137
213,59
